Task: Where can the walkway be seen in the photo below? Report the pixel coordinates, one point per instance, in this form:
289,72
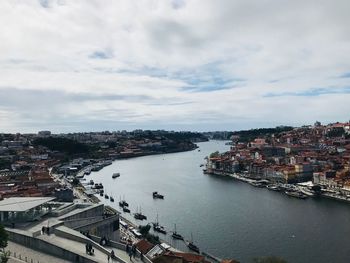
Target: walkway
22,252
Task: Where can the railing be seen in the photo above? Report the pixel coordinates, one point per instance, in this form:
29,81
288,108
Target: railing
20,257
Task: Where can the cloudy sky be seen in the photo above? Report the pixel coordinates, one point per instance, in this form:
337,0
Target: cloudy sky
70,65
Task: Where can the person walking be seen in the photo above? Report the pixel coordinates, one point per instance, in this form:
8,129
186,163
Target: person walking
130,254
133,250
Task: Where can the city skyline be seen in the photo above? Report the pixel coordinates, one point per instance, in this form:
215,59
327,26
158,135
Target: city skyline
69,66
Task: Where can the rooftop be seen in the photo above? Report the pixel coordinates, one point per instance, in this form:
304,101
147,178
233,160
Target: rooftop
21,204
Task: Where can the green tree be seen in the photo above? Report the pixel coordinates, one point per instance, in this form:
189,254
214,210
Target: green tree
144,230
4,255
3,237
214,154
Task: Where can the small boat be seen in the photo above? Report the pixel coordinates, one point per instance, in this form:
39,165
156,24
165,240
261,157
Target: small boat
192,246
115,175
156,195
201,165
158,228
256,184
273,187
111,199
126,210
106,196
91,182
123,203
176,235
101,193
140,216
296,194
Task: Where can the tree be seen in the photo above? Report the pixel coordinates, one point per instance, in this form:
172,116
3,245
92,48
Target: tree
144,230
214,154
3,237
4,255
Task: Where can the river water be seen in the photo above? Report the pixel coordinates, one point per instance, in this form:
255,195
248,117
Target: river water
228,218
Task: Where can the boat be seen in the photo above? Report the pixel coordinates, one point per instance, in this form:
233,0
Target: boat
306,192
156,195
91,182
115,175
192,246
158,228
201,165
111,199
257,184
273,187
176,235
296,194
106,196
126,210
101,193
140,216
123,203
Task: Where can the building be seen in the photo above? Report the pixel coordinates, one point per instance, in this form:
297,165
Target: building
23,209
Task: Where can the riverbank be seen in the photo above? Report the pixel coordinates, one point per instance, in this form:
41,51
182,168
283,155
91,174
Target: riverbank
302,190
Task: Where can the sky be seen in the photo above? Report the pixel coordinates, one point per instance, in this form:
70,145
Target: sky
201,65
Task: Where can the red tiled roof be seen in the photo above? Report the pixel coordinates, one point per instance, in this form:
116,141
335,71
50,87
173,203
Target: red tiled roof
190,257
144,246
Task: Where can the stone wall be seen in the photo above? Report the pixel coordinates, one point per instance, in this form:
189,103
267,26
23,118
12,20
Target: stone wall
46,247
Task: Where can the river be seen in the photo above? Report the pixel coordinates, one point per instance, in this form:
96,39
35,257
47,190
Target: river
228,218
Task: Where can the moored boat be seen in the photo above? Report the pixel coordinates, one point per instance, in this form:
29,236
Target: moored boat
126,210
115,175
192,246
157,195
158,228
176,235
140,216
296,194
273,187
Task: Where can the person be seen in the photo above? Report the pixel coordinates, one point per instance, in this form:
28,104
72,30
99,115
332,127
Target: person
130,254
141,256
108,257
127,248
112,254
133,250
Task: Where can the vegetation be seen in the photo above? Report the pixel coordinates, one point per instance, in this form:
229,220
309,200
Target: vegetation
67,146
214,154
4,255
144,230
5,164
3,237
336,132
249,135
270,259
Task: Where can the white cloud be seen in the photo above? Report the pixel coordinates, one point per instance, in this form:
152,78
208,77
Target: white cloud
178,54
